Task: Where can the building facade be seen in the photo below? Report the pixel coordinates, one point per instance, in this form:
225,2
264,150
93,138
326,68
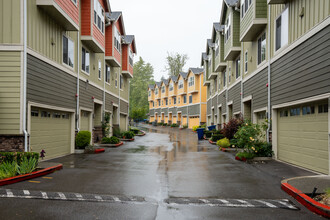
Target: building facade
65,66
180,100
270,59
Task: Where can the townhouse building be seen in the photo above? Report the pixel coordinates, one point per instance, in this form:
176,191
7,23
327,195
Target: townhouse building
270,59
179,99
65,66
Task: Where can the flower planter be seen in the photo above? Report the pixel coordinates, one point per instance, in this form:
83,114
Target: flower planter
232,149
241,159
111,145
127,139
211,142
143,133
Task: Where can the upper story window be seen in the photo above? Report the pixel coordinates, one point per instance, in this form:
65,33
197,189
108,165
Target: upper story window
229,75
245,5
121,82
246,62
156,91
171,87
117,40
163,89
238,67
166,102
100,69
262,48
281,29
149,93
184,99
174,100
85,60
98,15
180,84
190,99
68,51
107,74
191,81
74,1
227,28
131,57
224,78
217,48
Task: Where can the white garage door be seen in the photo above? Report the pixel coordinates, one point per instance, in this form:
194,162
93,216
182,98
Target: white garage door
50,131
303,136
85,121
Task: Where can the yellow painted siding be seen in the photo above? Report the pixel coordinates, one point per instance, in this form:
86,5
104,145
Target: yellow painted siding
152,118
10,23
193,122
184,120
174,120
10,79
203,112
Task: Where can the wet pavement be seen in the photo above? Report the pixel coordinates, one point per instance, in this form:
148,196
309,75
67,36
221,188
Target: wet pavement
166,174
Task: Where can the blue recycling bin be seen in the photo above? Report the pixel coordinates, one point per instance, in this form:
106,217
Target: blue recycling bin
200,133
212,127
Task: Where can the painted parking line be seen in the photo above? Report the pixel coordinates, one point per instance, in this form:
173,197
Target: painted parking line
235,203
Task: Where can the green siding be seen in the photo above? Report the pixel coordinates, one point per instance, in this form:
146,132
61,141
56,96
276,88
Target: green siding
10,79
247,20
236,28
10,22
261,9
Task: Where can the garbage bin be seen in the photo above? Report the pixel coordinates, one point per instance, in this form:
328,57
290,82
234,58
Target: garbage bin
212,127
200,133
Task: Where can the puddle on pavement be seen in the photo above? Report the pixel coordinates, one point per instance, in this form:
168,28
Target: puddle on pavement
139,149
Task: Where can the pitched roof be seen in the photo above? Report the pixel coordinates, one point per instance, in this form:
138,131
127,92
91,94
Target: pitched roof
196,71
174,78
151,86
210,43
114,16
218,27
204,57
158,83
165,81
183,74
129,39
231,3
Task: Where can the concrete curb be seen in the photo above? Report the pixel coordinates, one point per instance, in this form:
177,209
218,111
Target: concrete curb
99,150
305,200
143,133
111,145
127,139
211,142
35,174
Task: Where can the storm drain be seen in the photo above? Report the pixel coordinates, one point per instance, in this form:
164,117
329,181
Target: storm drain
235,203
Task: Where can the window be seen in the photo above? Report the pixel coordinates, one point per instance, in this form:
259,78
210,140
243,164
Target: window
284,113
308,110
323,108
116,82
68,51
153,104
166,102
191,81
179,100
281,30
65,116
85,60
121,82
156,91
224,78
180,84
170,101
174,100
163,89
190,99
131,57
149,93
162,102
171,87
117,40
238,68
100,69
98,15
262,48
246,62
34,113
56,115
184,99
158,102
107,74
74,1
294,111
45,114
245,5
217,48
227,28
229,75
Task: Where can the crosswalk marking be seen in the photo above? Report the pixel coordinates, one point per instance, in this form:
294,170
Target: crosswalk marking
266,203
44,195
79,196
62,196
9,193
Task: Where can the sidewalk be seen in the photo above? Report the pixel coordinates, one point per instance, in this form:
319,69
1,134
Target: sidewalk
300,187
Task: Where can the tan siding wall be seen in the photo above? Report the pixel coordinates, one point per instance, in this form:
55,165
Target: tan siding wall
10,79
10,22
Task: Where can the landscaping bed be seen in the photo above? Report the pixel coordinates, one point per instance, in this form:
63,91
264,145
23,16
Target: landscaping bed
111,145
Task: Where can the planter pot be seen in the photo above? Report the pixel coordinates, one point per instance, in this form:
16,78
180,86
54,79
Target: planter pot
111,145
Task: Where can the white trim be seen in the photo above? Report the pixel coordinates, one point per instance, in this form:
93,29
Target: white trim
98,101
247,98
232,49
254,21
236,82
90,38
123,113
52,107
301,101
11,47
300,40
212,107
274,133
229,103
220,105
260,110
237,113
259,69
21,93
224,113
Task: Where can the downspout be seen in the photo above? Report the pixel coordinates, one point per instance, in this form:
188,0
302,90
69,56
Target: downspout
268,87
118,114
78,74
25,74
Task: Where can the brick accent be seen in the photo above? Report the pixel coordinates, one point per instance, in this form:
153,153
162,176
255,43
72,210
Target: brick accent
11,143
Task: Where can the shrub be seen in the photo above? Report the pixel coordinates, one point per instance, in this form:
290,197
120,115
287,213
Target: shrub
248,135
216,137
230,128
27,165
18,157
245,154
203,126
216,131
208,134
185,126
128,135
135,130
83,139
8,169
110,140
263,149
174,125
224,142
164,124
195,128
116,132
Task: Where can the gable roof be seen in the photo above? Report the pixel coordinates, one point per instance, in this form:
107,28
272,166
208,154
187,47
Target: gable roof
151,86
204,57
231,3
173,78
183,74
196,71
114,17
165,81
217,27
158,84
129,39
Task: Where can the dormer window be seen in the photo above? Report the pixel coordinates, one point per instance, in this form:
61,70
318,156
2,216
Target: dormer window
131,57
117,40
171,87
227,28
98,15
180,84
191,81
163,89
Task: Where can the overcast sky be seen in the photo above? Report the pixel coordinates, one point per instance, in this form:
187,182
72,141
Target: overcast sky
169,26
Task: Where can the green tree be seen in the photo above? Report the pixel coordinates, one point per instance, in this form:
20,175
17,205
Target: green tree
175,63
143,76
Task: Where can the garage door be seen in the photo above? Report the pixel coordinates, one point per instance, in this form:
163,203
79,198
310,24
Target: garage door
174,120
303,136
123,122
193,121
50,131
184,121
166,120
84,121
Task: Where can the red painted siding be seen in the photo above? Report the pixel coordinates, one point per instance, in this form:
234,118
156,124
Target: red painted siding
97,34
86,17
130,67
125,57
108,41
117,55
70,8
